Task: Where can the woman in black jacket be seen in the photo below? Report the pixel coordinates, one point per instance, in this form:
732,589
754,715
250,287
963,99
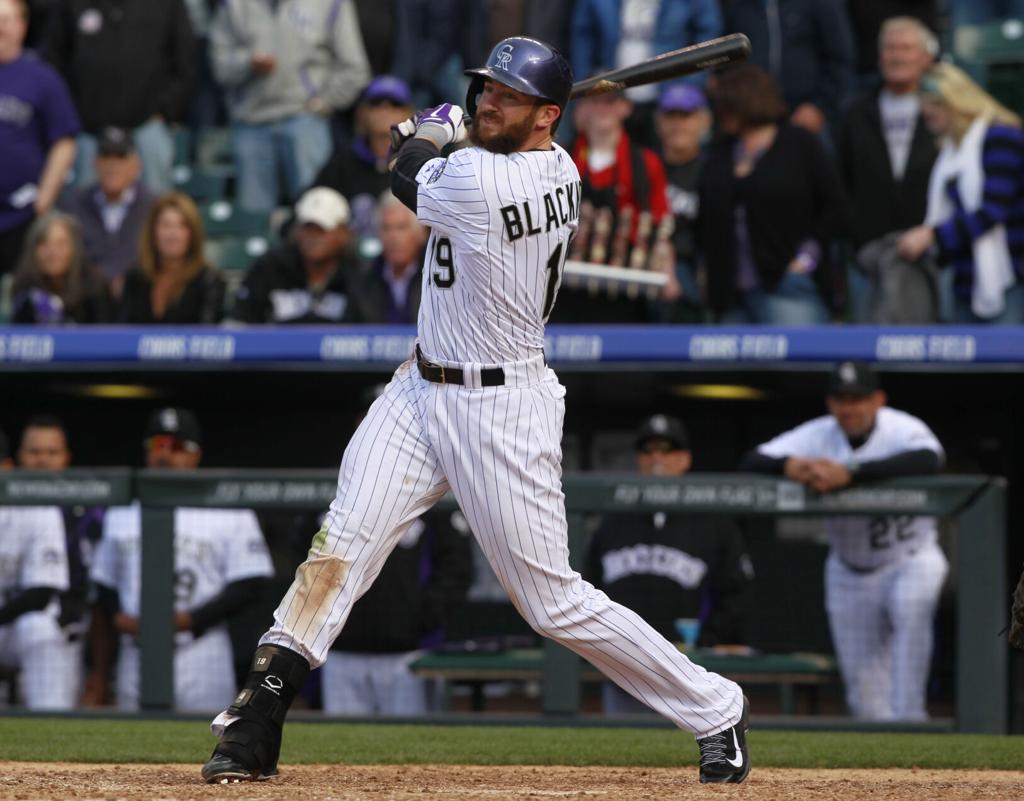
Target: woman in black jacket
54,283
770,204
172,284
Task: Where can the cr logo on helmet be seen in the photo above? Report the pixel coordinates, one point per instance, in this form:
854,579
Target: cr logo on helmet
503,56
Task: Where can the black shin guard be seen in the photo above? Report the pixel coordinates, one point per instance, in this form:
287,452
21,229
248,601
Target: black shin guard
276,676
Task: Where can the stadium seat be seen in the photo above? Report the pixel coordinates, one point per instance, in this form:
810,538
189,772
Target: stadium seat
999,49
235,254
182,145
213,146
221,218
202,184
232,256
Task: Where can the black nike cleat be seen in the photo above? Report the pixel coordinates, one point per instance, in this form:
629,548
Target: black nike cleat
247,752
724,758
222,769
250,744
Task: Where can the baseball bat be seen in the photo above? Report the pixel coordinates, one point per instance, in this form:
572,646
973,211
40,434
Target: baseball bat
674,64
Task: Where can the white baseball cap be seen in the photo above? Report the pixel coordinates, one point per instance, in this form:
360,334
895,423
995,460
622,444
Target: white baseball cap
322,206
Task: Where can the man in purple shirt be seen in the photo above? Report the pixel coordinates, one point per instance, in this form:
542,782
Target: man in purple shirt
38,124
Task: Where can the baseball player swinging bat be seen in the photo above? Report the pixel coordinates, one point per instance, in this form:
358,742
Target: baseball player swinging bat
673,64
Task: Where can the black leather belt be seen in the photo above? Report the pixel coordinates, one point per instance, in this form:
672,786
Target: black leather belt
489,376
864,571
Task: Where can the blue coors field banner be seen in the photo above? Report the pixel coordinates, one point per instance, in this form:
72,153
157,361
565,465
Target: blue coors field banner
386,346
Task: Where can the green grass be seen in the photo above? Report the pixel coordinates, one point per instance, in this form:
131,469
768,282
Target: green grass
77,740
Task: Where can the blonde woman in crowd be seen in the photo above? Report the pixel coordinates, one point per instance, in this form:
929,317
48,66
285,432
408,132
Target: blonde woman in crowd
975,219
54,283
172,283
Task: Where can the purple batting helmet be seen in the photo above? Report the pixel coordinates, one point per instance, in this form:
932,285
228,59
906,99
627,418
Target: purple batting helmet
527,65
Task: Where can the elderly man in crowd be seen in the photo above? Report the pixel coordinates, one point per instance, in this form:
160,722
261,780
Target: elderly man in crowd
112,211
885,151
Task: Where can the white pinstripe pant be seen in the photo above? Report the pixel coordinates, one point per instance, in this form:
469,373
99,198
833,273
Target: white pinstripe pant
497,449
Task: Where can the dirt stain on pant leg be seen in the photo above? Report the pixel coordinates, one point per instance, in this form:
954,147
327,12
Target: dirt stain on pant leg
313,594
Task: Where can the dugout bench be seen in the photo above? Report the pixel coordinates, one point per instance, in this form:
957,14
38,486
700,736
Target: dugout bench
789,672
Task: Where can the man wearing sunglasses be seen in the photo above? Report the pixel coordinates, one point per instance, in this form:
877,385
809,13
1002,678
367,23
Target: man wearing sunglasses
221,564
668,567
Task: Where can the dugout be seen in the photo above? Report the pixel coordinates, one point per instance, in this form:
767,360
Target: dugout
734,387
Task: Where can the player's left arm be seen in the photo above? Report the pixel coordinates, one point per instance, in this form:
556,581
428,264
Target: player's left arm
445,193
412,156
30,599
920,462
244,562
235,597
920,453
44,565
787,455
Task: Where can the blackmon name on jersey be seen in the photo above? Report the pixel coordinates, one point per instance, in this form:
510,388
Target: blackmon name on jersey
560,207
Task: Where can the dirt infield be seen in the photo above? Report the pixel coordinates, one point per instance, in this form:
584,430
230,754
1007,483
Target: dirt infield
24,780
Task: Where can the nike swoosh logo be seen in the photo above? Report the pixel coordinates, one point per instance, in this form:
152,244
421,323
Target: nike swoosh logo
738,761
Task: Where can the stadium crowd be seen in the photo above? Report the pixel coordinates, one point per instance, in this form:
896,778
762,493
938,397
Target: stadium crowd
198,162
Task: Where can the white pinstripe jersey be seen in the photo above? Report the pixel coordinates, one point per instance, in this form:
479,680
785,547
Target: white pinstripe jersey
865,542
32,549
212,548
500,231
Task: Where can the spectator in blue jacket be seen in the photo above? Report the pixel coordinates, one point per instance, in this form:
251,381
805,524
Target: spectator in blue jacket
807,46
607,34
975,218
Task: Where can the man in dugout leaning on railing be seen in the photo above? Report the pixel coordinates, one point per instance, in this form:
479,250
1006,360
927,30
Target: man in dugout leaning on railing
884,573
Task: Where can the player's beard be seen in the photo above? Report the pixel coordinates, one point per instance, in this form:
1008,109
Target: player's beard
511,139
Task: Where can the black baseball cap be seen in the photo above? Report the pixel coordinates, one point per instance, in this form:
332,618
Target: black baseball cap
115,142
853,378
660,426
179,423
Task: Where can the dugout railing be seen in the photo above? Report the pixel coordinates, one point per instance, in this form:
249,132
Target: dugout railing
976,504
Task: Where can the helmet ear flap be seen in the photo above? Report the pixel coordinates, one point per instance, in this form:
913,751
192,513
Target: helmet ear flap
476,86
